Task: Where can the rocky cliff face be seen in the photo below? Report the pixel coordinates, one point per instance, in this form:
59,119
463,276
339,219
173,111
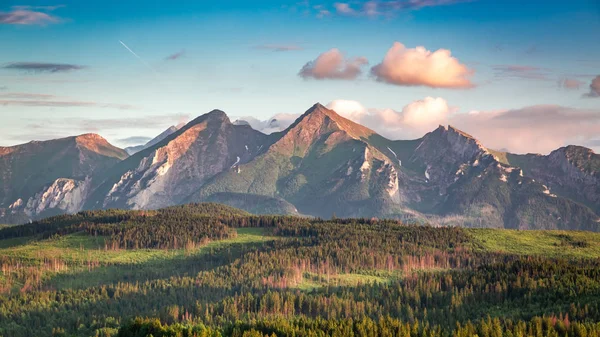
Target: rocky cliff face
62,196
571,171
445,154
167,173
38,177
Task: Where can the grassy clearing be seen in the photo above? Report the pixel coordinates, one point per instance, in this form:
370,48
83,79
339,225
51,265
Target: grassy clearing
77,250
530,242
162,263
80,247
311,281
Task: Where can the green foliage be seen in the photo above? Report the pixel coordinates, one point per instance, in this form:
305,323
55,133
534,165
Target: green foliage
287,276
545,243
365,326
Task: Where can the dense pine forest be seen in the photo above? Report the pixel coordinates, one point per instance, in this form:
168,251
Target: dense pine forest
211,270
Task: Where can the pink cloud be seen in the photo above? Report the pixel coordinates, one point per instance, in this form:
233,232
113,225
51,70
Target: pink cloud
333,65
421,67
344,8
569,83
594,88
537,129
24,15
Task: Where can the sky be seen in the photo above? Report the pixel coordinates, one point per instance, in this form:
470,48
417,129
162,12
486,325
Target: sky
522,76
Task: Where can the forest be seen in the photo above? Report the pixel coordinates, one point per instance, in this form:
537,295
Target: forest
212,270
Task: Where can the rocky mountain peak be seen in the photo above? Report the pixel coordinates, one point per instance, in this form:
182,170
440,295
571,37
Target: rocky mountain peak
582,158
90,137
575,151
215,117
458,142
330,118
319,108
96,143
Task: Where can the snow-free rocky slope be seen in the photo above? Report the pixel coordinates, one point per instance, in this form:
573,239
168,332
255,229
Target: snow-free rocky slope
324,164
169,131
178,166
50,177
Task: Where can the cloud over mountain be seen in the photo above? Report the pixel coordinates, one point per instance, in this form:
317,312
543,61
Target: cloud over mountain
45,128
538,129
277,123
414,120
420,67
334,65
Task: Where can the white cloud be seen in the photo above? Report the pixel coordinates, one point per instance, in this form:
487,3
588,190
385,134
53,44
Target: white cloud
414,120
277,123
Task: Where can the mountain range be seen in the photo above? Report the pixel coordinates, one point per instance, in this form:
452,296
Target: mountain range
322,165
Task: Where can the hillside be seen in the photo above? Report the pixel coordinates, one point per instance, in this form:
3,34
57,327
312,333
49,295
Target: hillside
571,171
39,178
216,271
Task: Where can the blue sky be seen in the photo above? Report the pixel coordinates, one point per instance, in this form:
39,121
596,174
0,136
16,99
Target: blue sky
227,59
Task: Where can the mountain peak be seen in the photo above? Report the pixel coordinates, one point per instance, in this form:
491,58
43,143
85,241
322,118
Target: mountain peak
215,115
581,157
100,145
328,118
90,137
575,149
319,108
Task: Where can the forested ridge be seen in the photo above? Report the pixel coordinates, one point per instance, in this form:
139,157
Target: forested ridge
210,270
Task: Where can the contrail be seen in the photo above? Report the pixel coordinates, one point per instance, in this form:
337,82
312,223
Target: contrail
137,56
